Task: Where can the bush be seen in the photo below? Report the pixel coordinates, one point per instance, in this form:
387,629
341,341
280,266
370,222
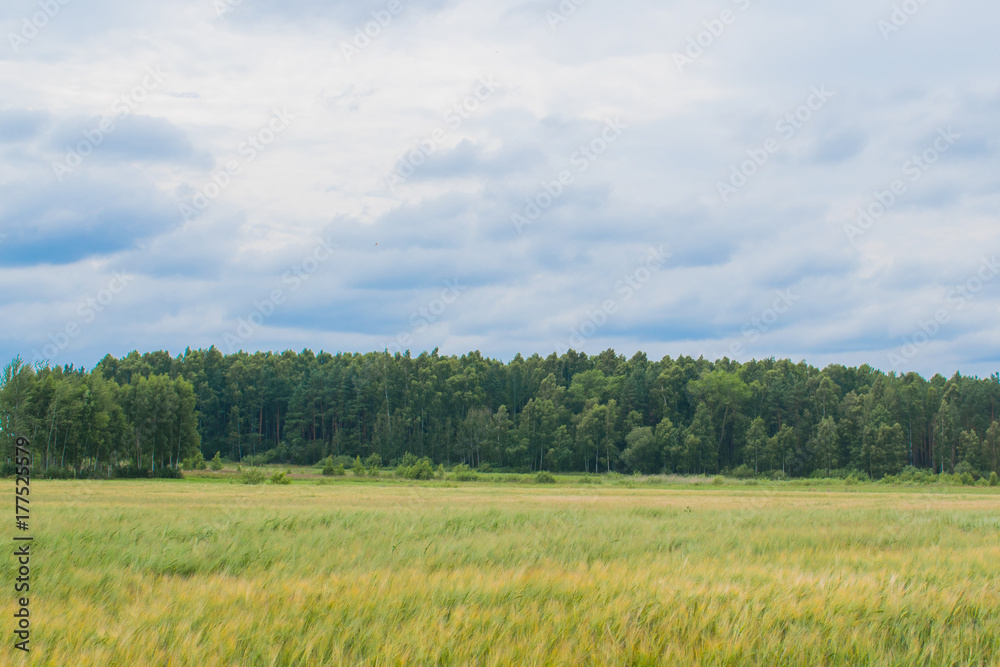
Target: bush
195,462
463,473
485,468
132,472
328,468
418,469
280,478
913,475
718,480
544,477
167,473
966,478
359,468
65,473
373,464
252,476
129,472
257,460
216,463
993,479
743,472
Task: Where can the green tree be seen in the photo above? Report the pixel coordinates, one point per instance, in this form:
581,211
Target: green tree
641,452
725,394
756,443
991,448
824,444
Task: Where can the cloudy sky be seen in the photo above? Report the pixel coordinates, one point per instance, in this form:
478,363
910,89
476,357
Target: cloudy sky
816,181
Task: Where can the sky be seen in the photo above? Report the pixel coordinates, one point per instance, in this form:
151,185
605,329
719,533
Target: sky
814,181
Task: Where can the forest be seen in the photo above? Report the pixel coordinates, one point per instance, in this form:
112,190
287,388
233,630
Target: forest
572,412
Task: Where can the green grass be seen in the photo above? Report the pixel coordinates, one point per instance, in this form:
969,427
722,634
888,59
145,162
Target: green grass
192,572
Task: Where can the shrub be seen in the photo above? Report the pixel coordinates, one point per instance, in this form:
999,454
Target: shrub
963,467
916,475
130,472
195,462
280,478
167,473
462,473
359,468
993,479
718,480
544,477
373,464
65,473
743,472
216,463
252,476
485,468
967,480
328,467
257,460
419,469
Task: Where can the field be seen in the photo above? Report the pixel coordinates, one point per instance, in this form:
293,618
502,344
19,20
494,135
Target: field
194,572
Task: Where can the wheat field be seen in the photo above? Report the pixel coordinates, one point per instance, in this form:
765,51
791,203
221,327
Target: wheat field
192,572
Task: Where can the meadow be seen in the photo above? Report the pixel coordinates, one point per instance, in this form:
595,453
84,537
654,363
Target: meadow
386,572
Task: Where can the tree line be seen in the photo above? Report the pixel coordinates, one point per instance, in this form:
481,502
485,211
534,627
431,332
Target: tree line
572,412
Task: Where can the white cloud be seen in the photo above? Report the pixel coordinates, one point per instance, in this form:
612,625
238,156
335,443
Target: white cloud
354,121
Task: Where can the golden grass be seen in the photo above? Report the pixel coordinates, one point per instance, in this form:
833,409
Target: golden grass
197,573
